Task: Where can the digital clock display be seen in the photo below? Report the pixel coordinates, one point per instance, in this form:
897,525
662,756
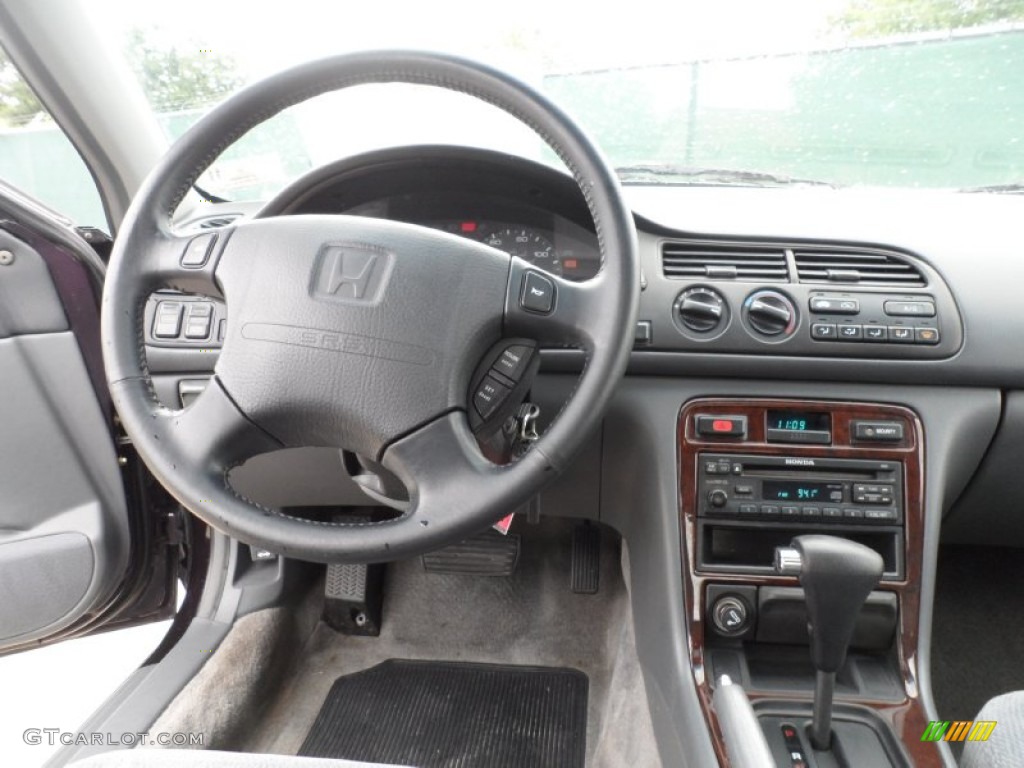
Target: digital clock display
796,490
800,421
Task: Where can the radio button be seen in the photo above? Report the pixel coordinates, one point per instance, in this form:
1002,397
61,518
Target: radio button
711,467
853,513
744,490
884,515
812,512
791,511
748,509
769,509
831,512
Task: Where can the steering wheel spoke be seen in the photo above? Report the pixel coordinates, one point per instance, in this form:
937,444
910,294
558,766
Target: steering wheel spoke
550,309
442,468
185,263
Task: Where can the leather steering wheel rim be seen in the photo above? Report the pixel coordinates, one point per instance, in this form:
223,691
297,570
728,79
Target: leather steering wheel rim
294,357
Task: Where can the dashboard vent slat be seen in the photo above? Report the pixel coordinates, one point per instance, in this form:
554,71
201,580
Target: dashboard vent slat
848,267
724,261
216,222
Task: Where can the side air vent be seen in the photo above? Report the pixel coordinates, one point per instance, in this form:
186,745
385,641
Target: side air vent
855,268
724,261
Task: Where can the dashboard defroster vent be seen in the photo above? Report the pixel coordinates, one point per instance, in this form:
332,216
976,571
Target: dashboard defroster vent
848,267
695,259
216,222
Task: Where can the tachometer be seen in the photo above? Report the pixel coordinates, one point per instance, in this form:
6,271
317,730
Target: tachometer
527,244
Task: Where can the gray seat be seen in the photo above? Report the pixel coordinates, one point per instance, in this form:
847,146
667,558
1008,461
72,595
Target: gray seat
1005,746
199,758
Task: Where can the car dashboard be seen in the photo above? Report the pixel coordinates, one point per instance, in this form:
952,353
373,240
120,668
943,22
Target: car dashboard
805,360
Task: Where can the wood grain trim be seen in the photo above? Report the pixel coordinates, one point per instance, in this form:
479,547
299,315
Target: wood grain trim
907,718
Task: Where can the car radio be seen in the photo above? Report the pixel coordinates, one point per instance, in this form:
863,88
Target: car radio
785,489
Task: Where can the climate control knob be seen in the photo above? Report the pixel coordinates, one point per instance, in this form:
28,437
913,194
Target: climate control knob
770,313
701,309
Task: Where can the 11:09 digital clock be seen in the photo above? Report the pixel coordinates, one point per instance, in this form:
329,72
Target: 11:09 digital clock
798,426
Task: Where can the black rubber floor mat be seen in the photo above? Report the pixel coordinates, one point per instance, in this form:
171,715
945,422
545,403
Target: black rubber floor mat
454,715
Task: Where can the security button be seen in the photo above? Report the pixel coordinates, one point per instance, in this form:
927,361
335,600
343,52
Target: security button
878,431
538,293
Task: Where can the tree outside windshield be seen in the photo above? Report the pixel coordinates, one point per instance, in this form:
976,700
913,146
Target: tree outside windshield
906,93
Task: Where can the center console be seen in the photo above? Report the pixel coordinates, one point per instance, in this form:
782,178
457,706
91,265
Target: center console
755,474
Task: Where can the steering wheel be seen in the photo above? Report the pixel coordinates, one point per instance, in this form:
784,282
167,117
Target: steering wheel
359,333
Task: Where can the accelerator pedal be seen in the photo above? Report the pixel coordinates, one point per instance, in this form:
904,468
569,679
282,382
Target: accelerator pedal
586,559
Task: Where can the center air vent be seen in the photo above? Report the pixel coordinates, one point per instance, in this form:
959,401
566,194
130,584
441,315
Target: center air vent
847,267
724,261
216,222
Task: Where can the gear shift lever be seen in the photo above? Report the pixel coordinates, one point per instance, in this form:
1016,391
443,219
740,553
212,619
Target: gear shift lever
837,576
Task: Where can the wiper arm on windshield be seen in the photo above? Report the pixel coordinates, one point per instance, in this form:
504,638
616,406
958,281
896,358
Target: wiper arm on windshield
666,173
999,189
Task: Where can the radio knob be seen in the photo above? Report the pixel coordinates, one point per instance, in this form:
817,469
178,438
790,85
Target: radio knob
718,498
770,313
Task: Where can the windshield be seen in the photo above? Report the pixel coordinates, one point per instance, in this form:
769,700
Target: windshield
905,93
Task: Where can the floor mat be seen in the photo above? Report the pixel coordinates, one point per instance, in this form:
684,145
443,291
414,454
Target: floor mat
454,715
977,630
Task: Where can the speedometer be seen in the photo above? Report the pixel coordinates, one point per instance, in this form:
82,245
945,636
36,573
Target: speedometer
527,244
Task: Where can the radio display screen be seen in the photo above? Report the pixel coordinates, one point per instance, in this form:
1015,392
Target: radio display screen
799,490
800,421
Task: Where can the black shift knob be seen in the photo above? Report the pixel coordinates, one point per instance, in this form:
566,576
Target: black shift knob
837,576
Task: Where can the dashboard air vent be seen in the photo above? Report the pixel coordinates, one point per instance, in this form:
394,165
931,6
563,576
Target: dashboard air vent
216,222
856,268
724,261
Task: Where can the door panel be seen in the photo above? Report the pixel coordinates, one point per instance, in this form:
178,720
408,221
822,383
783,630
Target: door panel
64,532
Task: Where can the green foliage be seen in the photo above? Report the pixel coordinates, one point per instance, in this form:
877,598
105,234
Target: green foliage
174,77
880,18
179,76
18,105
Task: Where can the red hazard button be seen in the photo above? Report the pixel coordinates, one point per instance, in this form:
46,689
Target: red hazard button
722,426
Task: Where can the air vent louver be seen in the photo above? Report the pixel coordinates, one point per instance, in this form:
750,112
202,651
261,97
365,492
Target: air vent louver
855,268
216,222
724,261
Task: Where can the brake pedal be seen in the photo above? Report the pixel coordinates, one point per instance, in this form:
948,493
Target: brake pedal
586,559
353,595
486,554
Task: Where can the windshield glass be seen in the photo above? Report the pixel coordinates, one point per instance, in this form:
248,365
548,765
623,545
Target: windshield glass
907,93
